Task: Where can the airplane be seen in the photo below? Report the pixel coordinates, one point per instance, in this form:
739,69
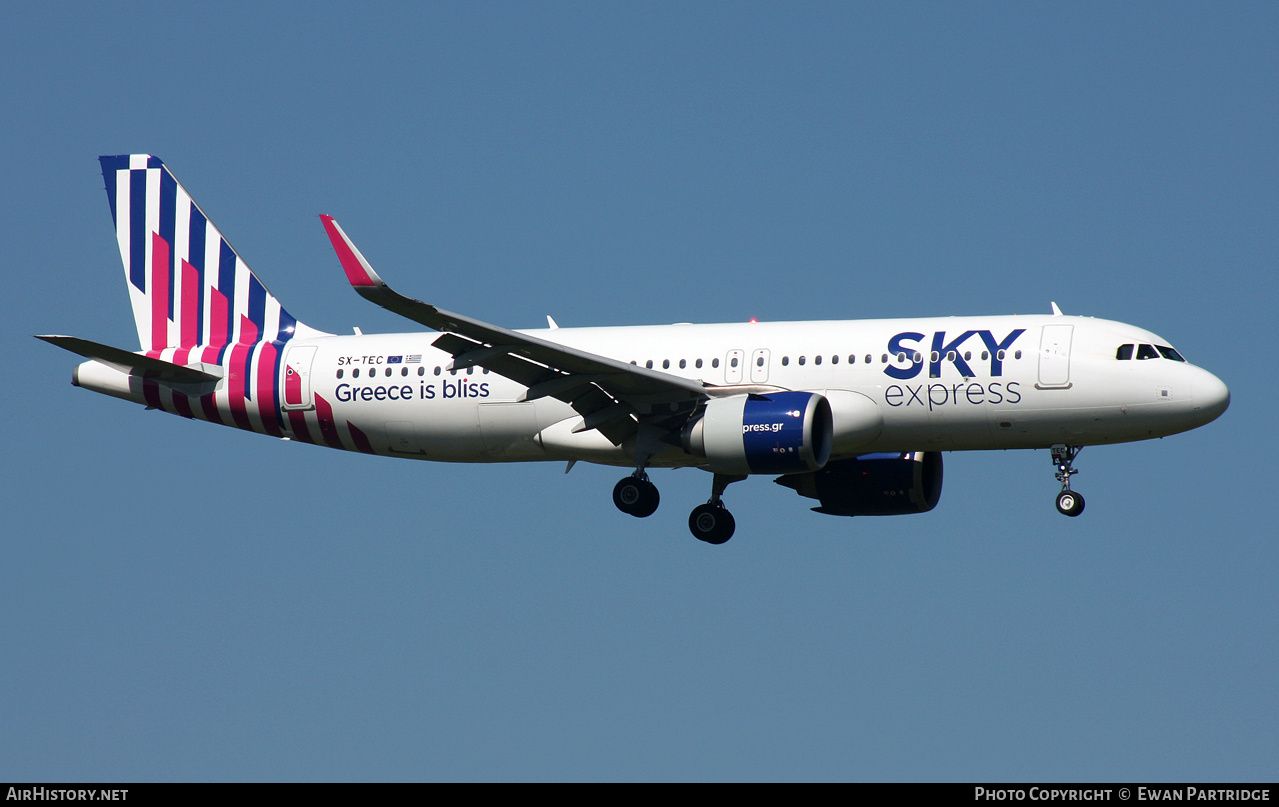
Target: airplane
854,414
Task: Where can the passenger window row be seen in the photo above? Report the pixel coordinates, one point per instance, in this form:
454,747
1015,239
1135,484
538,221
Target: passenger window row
372,372
683,363
803,361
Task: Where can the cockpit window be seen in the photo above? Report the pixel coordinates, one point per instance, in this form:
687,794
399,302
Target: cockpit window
1124,353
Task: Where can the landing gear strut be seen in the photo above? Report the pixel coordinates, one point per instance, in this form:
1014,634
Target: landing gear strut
711,522
1069,503
636,496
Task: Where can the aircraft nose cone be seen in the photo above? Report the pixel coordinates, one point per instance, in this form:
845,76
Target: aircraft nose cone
1211,396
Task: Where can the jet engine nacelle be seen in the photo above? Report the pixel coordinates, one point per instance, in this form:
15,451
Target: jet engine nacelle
873,485
777,433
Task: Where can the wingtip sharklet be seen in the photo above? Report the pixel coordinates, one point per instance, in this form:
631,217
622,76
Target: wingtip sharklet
372,287
358,270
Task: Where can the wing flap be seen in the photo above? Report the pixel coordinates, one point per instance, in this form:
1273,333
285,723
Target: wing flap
578,391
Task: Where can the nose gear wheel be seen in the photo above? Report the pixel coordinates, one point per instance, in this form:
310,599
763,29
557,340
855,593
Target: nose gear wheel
1069,502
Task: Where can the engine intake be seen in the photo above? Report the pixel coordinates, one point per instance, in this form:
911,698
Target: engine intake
873,484
777,433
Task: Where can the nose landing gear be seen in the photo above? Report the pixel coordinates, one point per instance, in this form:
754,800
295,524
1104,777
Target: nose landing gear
1069,503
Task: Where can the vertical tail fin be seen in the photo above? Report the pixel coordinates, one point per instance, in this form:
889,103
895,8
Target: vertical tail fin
188,287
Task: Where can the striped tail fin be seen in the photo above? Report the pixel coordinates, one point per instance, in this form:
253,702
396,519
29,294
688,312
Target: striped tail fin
189,288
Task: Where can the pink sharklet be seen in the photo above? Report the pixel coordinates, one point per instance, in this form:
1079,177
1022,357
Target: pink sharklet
358,271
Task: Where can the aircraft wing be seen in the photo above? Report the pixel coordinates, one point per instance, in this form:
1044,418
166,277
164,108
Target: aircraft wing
611,395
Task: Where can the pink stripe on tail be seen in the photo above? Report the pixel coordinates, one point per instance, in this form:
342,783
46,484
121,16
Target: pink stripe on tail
159,292
190,305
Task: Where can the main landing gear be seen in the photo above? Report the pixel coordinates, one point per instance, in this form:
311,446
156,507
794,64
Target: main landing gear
1069,503
710,522
636,496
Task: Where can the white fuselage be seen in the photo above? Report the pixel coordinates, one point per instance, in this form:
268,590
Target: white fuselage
993,383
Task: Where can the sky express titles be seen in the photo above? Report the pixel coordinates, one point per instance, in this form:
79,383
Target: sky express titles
904,346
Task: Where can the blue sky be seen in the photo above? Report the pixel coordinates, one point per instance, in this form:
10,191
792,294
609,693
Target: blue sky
183,601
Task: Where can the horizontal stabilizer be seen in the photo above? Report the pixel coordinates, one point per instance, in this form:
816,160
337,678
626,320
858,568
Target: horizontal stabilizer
127,362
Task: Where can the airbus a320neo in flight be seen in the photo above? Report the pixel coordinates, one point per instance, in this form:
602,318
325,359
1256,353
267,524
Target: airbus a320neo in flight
852,413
